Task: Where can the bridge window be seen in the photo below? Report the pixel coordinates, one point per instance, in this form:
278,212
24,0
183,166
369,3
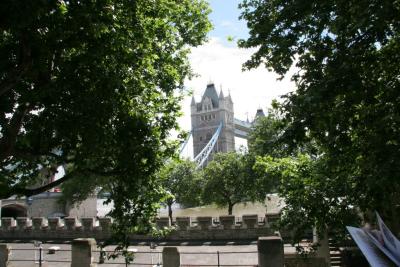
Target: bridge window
201,138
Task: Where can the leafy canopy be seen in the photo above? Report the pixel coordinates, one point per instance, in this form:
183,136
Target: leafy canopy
346,102
181,181
90,85
227,180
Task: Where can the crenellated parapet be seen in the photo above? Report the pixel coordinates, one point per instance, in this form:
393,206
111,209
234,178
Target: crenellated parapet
184,228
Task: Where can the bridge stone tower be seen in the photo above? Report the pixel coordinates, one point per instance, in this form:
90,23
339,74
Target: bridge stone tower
207,115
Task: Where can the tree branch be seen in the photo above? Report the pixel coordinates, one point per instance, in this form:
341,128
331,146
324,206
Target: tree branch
31,192
7,143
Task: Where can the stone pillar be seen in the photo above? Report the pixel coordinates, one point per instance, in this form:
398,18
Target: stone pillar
227,221
38,223
270,251
105,223
22,223
7,223
4,254
183,223
171,257
88,224
204,222
82,252
250,221
70,223
54,223
272,218
323,248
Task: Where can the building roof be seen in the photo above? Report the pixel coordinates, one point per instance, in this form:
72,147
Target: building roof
211,92
259,113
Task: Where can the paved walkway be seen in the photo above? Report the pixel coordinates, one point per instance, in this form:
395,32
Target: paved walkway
23,255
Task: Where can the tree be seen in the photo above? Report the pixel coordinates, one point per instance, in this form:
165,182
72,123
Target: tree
182,183
309,192
226,181
265,135
91,86
346,102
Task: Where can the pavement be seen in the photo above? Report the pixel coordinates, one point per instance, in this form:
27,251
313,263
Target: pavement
24,255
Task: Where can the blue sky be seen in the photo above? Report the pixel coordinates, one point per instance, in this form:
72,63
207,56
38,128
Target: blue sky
220,61
225,18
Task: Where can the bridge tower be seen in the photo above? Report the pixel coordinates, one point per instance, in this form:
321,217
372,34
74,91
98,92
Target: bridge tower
206,117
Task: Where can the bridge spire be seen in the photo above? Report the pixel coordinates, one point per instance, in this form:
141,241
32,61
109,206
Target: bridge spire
221,94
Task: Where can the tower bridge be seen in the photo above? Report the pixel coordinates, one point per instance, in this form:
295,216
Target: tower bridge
214,126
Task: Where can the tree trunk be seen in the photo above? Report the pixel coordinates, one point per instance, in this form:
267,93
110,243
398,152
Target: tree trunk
230,208
170,212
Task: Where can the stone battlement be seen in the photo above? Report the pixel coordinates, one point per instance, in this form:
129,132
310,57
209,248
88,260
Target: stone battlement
186,228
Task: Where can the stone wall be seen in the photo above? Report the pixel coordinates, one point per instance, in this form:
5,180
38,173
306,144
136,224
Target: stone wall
87,208
186,228
47,204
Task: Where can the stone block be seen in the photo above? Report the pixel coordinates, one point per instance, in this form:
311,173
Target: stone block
171,257
88,224
82,252
227,221
38,223
270,251
163,222
272,218
183,222
105,223
5,252
22,223
204,222
250,221
7,223
70,223
54,223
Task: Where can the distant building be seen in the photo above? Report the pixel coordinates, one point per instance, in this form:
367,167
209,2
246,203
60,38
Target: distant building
207,115
259,114
47,204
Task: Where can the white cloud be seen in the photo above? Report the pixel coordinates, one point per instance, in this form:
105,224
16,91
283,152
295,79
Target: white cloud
223,65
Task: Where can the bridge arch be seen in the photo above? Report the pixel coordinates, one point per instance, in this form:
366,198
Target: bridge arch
14,210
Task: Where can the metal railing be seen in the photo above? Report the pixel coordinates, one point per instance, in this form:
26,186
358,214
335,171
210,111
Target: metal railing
40,256
220,259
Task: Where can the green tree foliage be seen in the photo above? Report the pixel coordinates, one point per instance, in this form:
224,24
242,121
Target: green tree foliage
310,193
182,183
348,55
226,181
264,136
90,85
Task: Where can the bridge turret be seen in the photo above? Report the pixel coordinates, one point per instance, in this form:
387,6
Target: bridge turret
193,106
207,116
259,113
221,95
